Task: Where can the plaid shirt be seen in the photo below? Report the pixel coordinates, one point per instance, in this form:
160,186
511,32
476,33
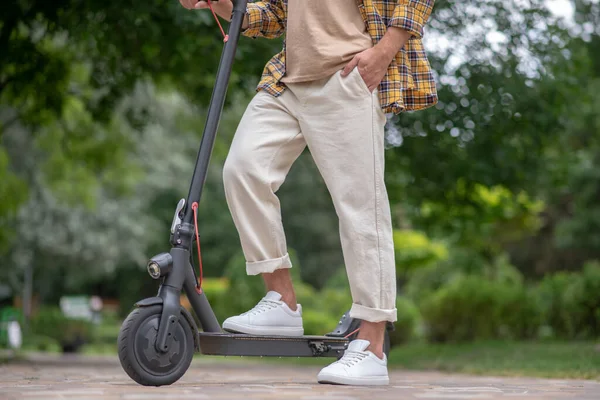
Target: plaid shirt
408,83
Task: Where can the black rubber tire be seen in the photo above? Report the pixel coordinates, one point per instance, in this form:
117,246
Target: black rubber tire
143,368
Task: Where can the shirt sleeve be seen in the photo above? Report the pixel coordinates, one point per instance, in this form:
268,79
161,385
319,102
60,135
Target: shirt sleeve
411,15
265,19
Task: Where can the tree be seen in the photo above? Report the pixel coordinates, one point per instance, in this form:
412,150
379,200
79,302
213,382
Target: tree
512,109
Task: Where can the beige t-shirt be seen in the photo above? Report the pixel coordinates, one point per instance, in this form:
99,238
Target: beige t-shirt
321,37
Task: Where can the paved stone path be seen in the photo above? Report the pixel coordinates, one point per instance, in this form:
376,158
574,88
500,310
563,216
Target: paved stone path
53,377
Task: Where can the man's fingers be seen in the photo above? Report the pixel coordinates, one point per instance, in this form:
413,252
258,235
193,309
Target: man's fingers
350,66
188,4
193,4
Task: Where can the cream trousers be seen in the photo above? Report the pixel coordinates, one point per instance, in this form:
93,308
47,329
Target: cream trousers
343,126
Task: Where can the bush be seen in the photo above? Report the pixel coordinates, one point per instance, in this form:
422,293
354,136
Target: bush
406,325
570,302
306,295
71,334
472,307
318,322
501,270
415,250
335,302
243,291
424,281
40,343
583,299
550,294
322,310
339,280
216,292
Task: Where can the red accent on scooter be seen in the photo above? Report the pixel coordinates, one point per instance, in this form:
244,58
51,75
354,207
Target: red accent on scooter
225,36
351,333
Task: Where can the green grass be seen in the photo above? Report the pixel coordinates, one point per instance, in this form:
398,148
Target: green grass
539,359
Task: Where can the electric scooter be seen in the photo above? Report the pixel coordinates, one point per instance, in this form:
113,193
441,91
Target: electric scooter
158,339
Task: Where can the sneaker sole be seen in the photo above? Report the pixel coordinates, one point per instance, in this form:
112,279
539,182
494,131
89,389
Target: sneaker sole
263,330
353,381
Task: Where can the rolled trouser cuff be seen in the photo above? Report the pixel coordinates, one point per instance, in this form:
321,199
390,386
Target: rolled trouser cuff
268,266
373,314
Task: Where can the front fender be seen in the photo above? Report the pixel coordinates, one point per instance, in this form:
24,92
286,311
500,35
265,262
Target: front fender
153,301
150,301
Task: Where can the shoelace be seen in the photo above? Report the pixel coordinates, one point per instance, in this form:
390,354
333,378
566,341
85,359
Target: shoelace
262,306
352,357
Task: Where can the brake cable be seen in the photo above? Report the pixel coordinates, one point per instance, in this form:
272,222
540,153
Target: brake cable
225,36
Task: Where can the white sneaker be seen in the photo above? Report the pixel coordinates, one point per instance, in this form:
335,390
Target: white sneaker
356,367
270,316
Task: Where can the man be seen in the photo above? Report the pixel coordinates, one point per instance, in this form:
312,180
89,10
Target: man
345,63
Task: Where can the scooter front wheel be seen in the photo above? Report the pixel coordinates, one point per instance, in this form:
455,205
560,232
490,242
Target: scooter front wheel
138,355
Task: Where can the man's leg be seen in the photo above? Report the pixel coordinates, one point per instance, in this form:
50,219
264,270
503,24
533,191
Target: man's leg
280,281
344,128
267,142
374,332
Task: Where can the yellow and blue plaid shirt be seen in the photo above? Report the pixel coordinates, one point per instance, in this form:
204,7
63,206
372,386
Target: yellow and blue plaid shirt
408,84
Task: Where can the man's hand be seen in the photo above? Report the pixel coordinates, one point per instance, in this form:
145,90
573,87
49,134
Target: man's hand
373,63
222,8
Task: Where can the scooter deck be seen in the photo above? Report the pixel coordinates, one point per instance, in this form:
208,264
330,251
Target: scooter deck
240,344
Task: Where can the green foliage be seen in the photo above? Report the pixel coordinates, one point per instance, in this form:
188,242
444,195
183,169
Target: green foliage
460,262
244,291
306,295
472,307
311,224
41,343
131,284
13,192
580,229
493,302
500,269
409,319
550,294
68,332
415,250
570,302
485,218
500,132
216,290
339,280
317,322
82,131
335,301
584,299
99,128
421,283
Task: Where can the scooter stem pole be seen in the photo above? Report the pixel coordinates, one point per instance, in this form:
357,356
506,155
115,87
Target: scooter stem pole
215,108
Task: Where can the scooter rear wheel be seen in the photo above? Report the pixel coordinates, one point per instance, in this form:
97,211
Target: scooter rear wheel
138,355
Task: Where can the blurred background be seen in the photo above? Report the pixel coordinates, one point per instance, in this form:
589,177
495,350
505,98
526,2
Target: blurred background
495,191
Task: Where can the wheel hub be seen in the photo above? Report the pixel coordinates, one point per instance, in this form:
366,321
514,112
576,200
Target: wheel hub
152,360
